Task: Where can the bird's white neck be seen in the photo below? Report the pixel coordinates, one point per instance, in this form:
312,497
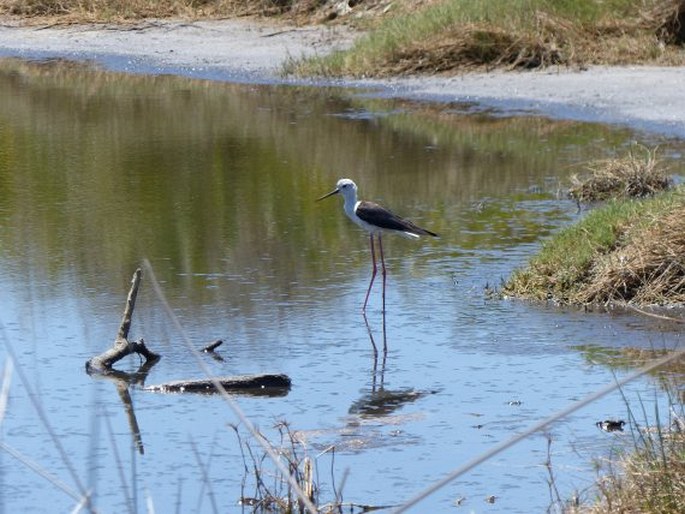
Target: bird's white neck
350,202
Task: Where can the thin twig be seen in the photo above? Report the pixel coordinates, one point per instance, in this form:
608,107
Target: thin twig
117,461
44,418
242,454
40,471
654,315
5,390
130,305
554,496
204,470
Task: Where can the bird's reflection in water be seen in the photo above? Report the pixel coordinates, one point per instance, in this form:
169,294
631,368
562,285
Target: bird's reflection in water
375,372
380,402
384,402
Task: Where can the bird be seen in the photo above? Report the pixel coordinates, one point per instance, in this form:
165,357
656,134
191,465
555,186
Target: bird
375,220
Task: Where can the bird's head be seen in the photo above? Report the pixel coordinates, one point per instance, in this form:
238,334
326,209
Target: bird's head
345,186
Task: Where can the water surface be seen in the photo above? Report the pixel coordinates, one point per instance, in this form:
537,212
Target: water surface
214,183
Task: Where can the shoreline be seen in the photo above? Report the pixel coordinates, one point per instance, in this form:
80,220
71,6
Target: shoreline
645,98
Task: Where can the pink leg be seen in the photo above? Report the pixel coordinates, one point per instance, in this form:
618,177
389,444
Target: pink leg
380,245
373,274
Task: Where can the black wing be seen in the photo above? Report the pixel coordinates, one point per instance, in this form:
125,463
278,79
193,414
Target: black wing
381,217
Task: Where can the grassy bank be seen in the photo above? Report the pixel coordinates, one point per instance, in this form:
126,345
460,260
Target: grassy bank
455,35
629,250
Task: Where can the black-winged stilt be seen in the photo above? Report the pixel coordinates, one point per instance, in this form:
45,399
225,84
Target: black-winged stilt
375,220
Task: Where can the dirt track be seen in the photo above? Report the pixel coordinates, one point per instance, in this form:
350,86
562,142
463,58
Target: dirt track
643,97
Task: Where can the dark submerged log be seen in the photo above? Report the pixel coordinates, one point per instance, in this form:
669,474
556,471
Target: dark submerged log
267,385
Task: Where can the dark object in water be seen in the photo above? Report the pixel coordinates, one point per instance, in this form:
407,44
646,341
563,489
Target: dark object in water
609,425
212,346
256,385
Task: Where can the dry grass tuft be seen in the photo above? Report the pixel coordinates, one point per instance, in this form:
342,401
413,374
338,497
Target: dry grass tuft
94,10
79,11
650,476
626,252
669,20
117,10
625,177
34,7
650,480
649,269
272,492
473,46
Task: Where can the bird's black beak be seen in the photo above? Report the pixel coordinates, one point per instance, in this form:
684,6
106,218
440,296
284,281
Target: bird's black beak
334,192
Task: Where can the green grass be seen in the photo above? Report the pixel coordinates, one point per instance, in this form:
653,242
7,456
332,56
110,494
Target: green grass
562,270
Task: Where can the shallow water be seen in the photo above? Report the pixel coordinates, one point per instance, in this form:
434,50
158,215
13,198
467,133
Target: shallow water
215,184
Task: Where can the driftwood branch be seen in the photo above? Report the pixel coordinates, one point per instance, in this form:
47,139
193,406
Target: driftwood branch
130,305
267,384
209,350
104,362
122,346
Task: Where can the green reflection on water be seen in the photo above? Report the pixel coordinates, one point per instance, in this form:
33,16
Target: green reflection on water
98,170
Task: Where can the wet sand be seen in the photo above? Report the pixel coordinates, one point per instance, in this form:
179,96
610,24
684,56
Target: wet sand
642,97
